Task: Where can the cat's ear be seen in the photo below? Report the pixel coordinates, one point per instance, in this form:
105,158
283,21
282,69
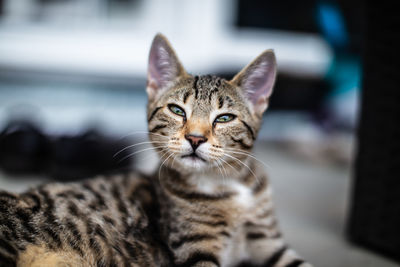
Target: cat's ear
164,66
257,79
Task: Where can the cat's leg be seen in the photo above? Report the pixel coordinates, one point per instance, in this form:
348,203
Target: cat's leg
266,247
275,253
262,236
197,254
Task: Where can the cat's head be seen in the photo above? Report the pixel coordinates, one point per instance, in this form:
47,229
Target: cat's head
205,123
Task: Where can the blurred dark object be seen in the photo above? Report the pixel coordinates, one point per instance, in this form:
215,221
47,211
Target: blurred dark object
278,14
299,93
24,149
328,17
86,155
1,8
375,214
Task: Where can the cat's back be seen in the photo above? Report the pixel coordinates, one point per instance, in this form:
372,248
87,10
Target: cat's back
104,221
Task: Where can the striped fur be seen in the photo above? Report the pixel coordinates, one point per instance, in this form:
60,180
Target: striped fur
208,204
216,207
100,222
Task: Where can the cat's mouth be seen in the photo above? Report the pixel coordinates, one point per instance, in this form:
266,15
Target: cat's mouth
193,156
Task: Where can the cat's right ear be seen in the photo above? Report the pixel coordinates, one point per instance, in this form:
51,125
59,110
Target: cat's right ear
257,79
164,67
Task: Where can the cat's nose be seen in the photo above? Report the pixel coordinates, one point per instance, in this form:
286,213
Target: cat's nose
195,140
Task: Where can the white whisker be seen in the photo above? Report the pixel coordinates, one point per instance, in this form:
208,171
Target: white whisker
220,170
243,152
137,144
141,132
136,152
159,169
224,161
244,164
148,155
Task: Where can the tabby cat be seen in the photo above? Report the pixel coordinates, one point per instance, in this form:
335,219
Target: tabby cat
208,203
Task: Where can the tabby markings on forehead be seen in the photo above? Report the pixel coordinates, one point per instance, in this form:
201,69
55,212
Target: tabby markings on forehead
220,102
185,96
213,91
196,90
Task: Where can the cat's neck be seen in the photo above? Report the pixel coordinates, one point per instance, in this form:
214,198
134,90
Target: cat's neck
212,182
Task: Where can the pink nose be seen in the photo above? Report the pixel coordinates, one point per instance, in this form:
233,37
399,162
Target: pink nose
195,140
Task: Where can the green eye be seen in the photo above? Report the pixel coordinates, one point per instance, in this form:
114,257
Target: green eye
225,118
177,110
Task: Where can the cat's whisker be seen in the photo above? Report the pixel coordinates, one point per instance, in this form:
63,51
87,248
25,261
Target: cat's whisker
143,159
217,165
218,159
142,132
159,169
164,151
222,166
244,164
140,151
226,174
220,170
243,152
137,144
226,162
173,160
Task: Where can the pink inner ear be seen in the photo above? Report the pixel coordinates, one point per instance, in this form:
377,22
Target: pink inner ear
159,66
260,81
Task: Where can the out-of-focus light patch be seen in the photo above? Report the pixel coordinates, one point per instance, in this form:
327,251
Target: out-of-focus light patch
343,102
332,24
203,36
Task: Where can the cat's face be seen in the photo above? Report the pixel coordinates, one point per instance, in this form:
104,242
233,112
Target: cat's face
205,123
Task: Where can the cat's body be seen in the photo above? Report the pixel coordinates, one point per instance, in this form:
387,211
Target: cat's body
208,204
106,221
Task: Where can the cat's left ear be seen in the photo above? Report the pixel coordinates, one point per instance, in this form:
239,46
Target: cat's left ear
257,79
164,67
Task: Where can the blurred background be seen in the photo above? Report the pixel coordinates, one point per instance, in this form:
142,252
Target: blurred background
72,94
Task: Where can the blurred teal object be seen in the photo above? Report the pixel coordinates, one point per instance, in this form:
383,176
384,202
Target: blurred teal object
344,76
332,24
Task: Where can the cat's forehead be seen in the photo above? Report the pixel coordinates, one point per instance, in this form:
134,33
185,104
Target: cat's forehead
207,85
205,90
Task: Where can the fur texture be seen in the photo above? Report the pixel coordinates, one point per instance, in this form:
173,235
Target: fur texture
208,204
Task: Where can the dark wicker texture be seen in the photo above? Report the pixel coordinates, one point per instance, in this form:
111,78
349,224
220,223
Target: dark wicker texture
375,214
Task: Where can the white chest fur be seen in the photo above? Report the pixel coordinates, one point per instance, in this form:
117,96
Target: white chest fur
243,194
235,249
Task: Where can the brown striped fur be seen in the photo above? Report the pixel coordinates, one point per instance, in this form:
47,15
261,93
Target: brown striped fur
208,204
99,222
217,207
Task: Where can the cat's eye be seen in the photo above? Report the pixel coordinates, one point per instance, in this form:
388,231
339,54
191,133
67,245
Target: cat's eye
177,110
225,118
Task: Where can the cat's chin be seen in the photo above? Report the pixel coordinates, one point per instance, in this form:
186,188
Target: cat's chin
193,163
